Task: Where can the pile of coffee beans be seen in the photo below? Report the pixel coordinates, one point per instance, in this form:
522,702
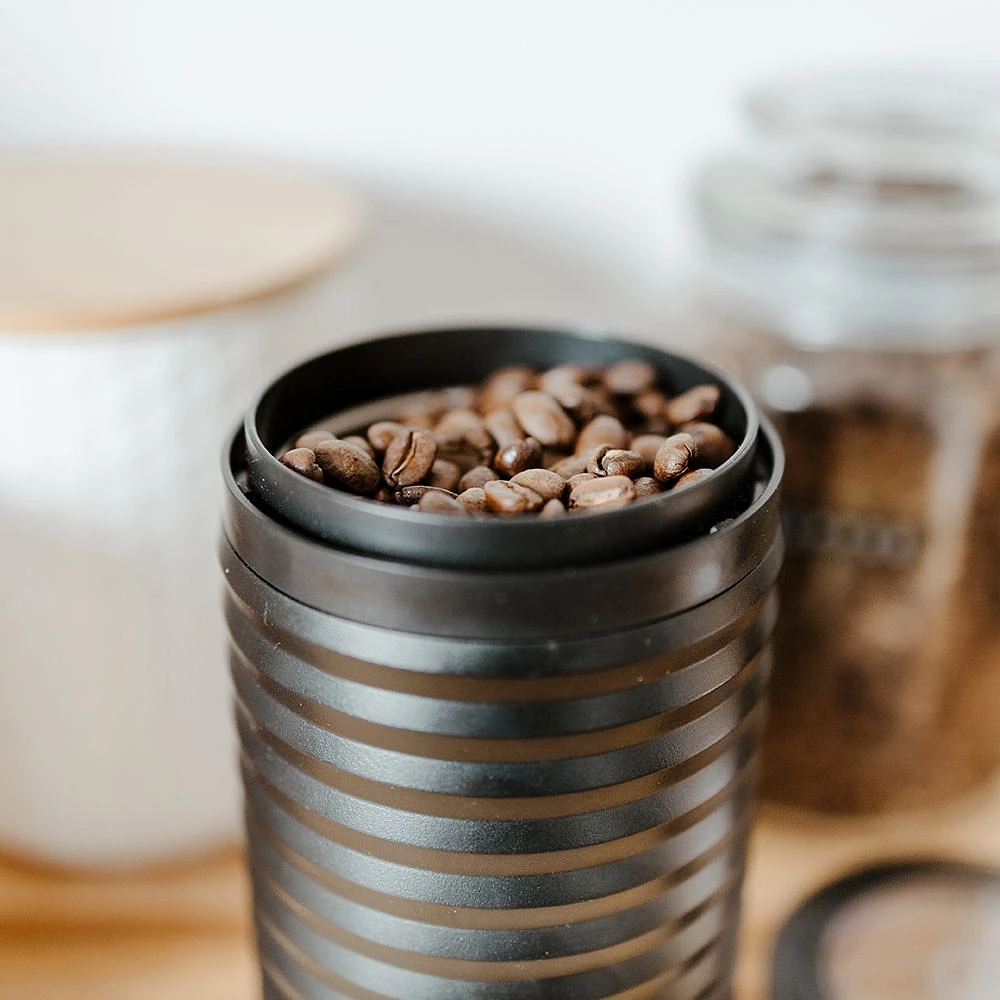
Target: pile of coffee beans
525,442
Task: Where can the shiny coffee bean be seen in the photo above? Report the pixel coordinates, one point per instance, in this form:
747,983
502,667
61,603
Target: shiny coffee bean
579,402
440,503
648,445
594,466
503,385
516,457
444,474
381,434
524,442
622,462
409,458
695,404
574,481
646,486
503,427
602,492
571,466
464,457
359,442
534,501
463,427
551,509
690,478
602,430
409,496
714,445
418,420
474,499
548,485
542,418
303,461
627,378
478,476
347,466
674,457
502,498
651,407
563,376
312,438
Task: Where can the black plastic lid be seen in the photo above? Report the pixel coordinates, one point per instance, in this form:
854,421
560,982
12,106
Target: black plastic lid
375,370
926,930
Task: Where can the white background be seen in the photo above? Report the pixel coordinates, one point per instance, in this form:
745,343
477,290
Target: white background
524,157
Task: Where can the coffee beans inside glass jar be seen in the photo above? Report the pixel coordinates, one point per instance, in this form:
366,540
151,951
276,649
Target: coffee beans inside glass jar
527,443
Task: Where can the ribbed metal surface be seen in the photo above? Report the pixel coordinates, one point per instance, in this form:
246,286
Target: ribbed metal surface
427,837
475,775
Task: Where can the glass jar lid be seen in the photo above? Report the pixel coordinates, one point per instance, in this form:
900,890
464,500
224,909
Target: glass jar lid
865,210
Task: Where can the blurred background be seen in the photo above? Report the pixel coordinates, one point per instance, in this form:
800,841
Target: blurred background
520,158
195,195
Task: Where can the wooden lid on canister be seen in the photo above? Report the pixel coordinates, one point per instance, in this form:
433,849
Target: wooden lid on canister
104,241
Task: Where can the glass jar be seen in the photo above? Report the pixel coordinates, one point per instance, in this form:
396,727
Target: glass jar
853,279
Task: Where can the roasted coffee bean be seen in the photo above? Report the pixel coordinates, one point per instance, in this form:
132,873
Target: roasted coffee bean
347,466
542,418
463,427
408,496
674,457
409,458
524,442
303,461
651,406
444,474
465,458
548,485
381,434
552,455
622,462
312,438
646,486
454,397
440,503
602,430
574,481
690,478
571,466
478,476
418,421
503,427
516,457
551,509
714,445
581,403
602,492
627,378
474,499
503,385
648,445
533,499
594,466
502,498
695,404
359,442
564,375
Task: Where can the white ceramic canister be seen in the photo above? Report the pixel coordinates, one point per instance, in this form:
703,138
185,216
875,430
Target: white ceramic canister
141,302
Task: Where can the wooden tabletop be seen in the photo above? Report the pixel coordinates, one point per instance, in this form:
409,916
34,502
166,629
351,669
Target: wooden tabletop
184,933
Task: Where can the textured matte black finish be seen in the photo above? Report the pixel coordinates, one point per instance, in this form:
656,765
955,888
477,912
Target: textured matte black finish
468,782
